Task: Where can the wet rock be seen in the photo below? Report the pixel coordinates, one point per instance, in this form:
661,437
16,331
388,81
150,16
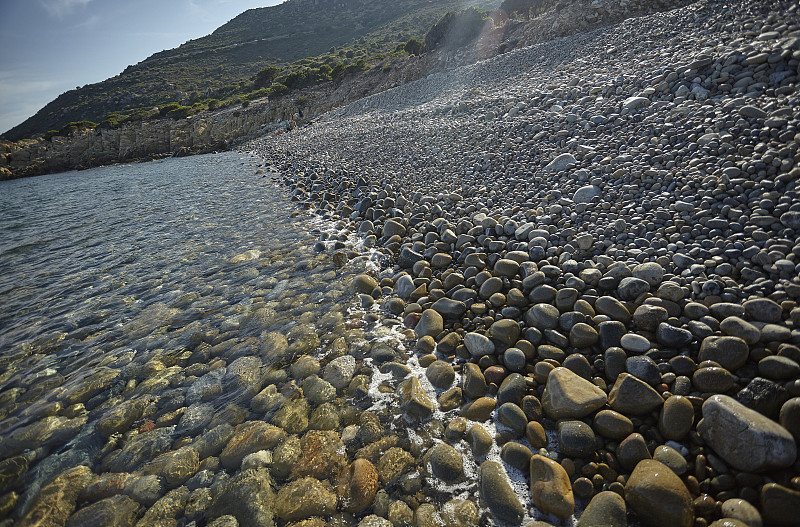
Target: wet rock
115,511
505,331
478,345
121,417
166,509
357,485
776,367
512,389
340,371
446,463
292,416
576,438
763,310
440,374
46,432
321,455
658,496
606,508
449,308
729,352
550,487
779,504
712,380
612,425
517,455
139,450
175,467
364,283
473,381
450,399
212,442
56,501
632,450
479,410
304,498
630,395
764,396
789,417
480,440
743,511
512,416
393,464
497,495
247,438
671,458
413,399
745,438
430,323
676,418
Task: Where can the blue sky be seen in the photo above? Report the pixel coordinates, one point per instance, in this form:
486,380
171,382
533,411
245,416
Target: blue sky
50,46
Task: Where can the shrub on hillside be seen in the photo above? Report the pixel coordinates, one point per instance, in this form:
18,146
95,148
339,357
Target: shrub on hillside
76,126
413,47
277,89
265,77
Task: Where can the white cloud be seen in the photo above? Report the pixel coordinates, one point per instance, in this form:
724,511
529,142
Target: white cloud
62,8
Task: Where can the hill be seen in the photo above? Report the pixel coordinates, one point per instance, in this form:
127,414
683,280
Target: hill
292,35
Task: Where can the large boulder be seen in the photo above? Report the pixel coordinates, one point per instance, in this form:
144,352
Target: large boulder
744,438
567,395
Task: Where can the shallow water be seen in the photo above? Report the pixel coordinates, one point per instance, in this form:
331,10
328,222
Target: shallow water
129,281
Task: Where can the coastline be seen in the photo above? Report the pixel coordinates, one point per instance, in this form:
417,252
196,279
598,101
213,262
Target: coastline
587,309
608,243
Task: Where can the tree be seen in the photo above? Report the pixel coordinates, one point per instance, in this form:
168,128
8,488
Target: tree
265,77
413,47
522,7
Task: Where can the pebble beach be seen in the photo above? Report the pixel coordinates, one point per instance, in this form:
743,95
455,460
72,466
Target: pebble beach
555,287
590,251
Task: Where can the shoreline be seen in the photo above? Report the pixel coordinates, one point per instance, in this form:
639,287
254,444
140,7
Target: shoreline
587,240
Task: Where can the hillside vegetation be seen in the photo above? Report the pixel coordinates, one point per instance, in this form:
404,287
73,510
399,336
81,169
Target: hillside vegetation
300,42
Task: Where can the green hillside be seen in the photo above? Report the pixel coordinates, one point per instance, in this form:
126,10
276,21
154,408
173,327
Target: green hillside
294,35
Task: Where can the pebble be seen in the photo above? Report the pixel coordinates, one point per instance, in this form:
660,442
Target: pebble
654,492
440,374
356,485
744,438
566,395
729,352
605,508
430,323
415,401
630,395
304,498
634,343
497,494
446,463
248,496
550,487
632,450
671,458
779,504
480,409
676,418
612,425
576,439
743,511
